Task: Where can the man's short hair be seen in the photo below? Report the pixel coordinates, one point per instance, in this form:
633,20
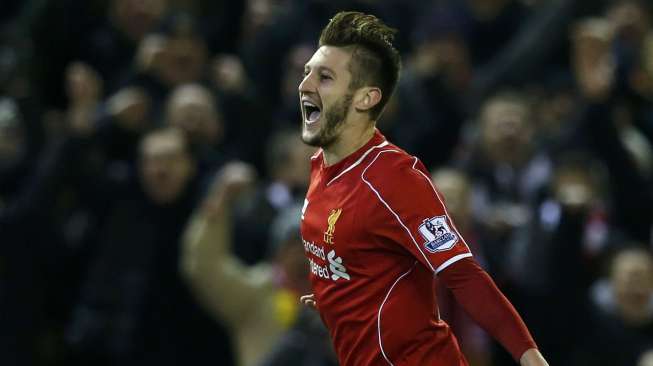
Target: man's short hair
374,61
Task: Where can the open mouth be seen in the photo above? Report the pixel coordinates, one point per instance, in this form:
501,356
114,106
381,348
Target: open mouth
311,112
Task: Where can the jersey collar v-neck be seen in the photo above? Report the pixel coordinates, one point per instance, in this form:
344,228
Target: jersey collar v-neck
335,171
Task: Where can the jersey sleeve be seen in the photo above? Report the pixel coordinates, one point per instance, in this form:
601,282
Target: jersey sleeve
411,212
472,286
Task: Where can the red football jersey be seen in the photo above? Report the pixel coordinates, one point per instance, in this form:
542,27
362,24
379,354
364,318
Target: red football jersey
376,231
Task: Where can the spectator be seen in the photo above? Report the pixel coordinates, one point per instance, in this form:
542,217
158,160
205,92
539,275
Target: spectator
508,173
287,171
245,113
258,302
623,332
551,259
192,108
429,95
175,54
112,47
134,307
607,128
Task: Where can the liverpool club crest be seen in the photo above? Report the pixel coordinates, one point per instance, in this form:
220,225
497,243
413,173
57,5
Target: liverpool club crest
334,215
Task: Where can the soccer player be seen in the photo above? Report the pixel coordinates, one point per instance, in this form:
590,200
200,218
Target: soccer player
374,228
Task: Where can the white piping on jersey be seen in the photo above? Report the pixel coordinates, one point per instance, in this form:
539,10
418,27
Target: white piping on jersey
378,318
442,203
384,143
390,209
452,260
316,154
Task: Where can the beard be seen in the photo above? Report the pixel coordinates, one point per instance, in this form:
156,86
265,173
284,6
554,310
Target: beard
334,117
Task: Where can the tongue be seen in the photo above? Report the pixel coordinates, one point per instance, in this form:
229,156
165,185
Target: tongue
314,116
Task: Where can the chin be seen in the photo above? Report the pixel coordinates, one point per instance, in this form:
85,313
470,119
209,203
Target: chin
311,140
320,138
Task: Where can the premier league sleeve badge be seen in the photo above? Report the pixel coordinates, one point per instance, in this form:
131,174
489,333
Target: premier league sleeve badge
438,234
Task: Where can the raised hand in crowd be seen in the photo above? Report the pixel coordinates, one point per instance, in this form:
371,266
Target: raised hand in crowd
230,182
593,61
84,90
129,107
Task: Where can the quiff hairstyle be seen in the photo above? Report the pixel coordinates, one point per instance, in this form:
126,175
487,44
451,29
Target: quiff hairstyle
374,60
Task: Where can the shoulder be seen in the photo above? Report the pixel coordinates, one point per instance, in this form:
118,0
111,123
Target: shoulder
395,176
393,165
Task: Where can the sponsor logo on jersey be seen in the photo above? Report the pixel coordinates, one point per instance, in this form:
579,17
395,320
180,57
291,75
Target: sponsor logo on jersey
335,269
437,234
334,215
336,266
312,248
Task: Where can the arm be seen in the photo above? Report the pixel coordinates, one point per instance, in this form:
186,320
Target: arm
421,224
546,28
472,286
222,283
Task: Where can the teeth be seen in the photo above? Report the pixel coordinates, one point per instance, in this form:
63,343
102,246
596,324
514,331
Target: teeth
309,104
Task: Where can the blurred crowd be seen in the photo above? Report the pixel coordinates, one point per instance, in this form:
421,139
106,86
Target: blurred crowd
151,168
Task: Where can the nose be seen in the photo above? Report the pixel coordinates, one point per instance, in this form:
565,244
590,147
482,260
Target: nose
307,85
509,126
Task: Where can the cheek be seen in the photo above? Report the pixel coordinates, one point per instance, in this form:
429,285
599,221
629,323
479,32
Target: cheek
148,171
181,173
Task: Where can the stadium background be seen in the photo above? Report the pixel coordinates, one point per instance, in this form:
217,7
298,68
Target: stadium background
535,117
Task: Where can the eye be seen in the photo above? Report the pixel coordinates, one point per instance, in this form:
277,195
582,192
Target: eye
325,77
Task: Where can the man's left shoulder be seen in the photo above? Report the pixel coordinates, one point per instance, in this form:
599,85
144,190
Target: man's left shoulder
393,163
390,156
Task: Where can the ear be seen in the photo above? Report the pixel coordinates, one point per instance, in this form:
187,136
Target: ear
367,98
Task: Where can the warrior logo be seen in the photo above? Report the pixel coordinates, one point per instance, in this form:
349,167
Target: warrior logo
333,218
437,233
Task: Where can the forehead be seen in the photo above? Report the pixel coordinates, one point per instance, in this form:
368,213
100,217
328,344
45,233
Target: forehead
334,58
162,144
633,261
502,107
500,111
190,95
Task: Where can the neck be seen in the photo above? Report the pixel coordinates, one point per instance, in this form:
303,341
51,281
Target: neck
347,143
